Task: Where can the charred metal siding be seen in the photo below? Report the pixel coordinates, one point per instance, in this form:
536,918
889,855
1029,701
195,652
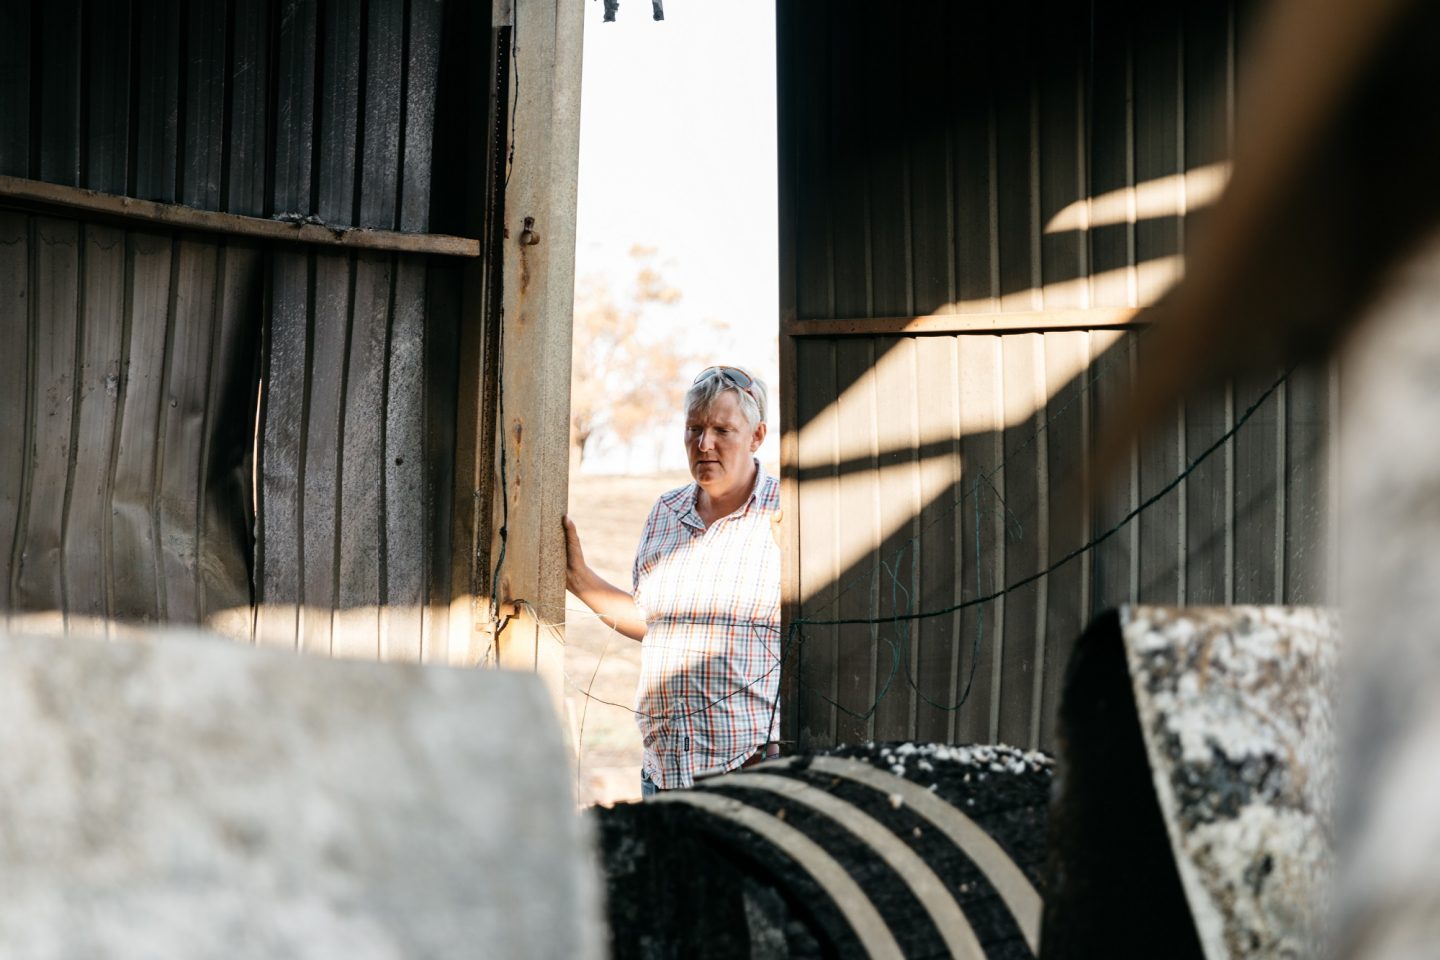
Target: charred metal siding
257,435
972,204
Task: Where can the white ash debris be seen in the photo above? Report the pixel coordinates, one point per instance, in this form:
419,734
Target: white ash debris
896,801
1269,877
995,758
1208,679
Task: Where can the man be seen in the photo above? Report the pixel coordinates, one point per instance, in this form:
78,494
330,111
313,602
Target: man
706,596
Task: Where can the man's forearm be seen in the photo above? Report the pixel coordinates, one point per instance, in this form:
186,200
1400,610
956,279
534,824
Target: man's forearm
614,606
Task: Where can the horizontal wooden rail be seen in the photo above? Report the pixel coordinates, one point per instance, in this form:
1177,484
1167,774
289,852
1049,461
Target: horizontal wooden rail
37,193
1012,321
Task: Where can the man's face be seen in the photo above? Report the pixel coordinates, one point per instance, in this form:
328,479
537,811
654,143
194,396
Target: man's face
720,443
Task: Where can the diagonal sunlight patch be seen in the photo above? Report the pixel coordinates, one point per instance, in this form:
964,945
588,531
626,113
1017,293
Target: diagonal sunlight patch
934,477
1174,195
836,475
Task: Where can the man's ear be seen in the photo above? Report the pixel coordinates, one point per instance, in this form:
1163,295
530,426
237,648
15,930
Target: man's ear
759,437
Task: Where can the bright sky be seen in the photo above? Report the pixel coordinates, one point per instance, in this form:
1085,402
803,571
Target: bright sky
677,152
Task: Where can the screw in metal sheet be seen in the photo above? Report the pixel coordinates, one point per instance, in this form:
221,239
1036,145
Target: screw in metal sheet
529,237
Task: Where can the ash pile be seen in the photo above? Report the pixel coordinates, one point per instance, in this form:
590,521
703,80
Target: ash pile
1188,816
909,849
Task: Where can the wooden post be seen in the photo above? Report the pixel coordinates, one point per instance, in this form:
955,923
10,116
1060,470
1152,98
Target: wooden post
538,267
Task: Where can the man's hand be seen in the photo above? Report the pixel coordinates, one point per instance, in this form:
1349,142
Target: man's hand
615,607
574,557
775,520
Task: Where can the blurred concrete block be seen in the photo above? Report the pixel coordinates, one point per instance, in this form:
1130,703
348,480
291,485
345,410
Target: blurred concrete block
187,797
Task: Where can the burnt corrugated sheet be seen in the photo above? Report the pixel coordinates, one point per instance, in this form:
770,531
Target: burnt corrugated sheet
1024,159
355,456
128,409
260,107
153,377
939,156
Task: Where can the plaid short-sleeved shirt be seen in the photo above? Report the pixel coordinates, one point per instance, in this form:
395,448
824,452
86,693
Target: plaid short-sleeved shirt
710,663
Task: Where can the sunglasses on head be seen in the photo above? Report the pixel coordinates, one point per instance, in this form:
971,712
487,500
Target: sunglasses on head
739,378
735,375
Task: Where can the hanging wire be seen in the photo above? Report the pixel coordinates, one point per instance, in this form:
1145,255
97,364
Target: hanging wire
497,623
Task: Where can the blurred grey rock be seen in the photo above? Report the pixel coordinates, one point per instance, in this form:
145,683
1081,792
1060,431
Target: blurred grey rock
1236,707
188,797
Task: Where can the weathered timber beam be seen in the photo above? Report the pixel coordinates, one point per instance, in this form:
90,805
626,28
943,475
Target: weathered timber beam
538,269
1011,321
19,191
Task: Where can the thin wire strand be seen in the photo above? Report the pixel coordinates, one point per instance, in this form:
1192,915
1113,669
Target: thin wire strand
1080,550
497,625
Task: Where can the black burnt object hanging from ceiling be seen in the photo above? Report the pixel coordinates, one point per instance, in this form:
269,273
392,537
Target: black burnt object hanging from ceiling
612,7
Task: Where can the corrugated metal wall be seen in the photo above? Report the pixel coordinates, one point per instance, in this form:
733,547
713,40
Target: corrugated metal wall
152,377
1009,182
126,410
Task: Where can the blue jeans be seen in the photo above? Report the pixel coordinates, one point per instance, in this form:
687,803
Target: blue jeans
648,787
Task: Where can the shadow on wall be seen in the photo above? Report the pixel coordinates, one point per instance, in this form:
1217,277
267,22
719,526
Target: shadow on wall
1031,193
920,499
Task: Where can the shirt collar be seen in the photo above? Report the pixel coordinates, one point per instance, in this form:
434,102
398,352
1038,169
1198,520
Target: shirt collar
682,501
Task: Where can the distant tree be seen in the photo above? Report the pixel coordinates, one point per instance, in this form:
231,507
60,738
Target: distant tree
627,369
